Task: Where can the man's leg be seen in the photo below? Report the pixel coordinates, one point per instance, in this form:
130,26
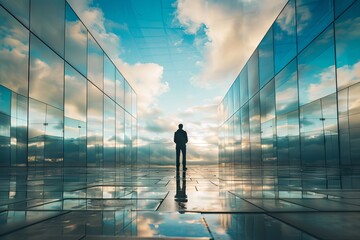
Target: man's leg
177,158
183,150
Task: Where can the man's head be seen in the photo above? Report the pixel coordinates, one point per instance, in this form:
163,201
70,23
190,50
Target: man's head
180,126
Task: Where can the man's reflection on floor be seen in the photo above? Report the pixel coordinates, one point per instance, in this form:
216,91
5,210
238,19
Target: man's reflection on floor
181,197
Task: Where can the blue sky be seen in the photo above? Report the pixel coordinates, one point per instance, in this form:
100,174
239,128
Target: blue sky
180,56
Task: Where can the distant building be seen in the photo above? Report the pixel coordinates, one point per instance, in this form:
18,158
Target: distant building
62,100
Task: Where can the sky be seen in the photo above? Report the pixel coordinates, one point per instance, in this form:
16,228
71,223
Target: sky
181,57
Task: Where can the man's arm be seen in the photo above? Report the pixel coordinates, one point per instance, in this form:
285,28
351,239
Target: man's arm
174,137
186,138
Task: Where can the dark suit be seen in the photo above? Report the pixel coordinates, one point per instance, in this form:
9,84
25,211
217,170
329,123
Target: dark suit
180,138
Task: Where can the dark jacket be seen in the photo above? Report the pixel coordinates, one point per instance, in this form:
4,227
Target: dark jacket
180,137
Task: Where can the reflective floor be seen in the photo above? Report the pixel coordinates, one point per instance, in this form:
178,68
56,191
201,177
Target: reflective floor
203,203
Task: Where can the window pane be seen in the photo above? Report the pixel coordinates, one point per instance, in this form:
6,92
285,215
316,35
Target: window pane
245,135
313,16
109,132
52,30
317,69
341,5
134,104
255,128
347,35
14,54
285,36
75,41
236,89
287,89
5,121
95,101
75,94
109,77
74,143
46,74
312,137
19,130
134,141
5,101
120,131
354,123
120,89
54,128
128,137
268,143
20,9
127,97
253,73
95,63
266,58
244,95
267,98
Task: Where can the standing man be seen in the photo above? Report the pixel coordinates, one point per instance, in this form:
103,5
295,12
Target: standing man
180,138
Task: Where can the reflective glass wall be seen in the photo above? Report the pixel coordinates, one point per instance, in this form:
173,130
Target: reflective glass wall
295,106
62,100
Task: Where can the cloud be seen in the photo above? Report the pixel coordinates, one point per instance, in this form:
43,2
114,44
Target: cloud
232,33
145,78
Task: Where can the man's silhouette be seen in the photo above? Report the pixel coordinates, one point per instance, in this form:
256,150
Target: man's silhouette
180,138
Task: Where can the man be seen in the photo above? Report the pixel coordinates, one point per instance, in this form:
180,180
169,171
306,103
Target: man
180,138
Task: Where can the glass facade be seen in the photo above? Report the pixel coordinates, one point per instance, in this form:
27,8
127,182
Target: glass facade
62,100
293,109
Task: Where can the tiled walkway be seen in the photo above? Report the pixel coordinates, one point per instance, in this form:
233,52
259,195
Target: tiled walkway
70,203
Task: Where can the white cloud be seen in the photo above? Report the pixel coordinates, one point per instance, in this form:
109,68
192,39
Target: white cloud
145,78
233,30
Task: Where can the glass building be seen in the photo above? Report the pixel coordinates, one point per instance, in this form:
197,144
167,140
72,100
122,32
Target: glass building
294,109
62,100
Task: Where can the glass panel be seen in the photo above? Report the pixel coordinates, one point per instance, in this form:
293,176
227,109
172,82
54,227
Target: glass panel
5,101
54,128
330,125
36,140
75,94
14,54
52,30
268,143
344,133
316,68
287,89
285,36
120,89
347,28
288,141
253,73
19,130
134,103
5,148
109,132
74,143
236,90
95,63
46,74
237,138
134,142
267,101
128,137
127,97
120,131
109,77
255,128
354,123
244,95
245,135
95,102
312,135
230,102
75,41
266,58
341,5
313,16
20,9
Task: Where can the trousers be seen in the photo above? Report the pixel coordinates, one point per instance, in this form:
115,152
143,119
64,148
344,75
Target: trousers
183,152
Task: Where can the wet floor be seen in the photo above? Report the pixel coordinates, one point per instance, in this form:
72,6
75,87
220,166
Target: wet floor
80,203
